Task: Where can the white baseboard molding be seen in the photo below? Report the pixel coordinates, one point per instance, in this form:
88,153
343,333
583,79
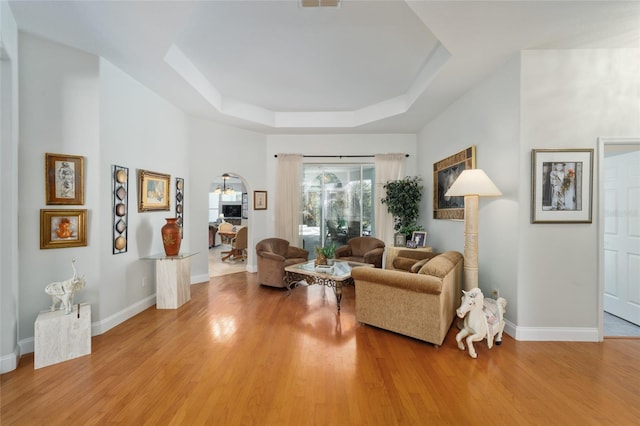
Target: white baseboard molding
556,334
199,279
9,362
108,323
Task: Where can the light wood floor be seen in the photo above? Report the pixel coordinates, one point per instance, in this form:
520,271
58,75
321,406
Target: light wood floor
239,353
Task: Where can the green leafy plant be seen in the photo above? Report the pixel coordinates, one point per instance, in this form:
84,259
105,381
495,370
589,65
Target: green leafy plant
328,251
402,199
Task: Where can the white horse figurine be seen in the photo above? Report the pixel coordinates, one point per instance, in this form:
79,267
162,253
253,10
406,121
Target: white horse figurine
482,318
63,291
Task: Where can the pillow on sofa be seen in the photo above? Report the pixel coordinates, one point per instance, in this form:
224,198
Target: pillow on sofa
403,263
418,265
440,265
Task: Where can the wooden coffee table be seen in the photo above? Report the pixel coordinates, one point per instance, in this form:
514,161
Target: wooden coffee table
335,277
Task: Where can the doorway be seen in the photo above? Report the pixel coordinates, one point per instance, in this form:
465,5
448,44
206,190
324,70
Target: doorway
620,236
228,202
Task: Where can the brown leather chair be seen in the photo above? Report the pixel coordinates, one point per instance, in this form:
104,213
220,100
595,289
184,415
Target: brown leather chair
275,254
362,249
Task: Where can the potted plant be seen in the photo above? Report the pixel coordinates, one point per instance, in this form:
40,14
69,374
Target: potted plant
326,255
402,199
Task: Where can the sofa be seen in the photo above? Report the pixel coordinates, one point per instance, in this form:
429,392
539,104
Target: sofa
275,254
419,302
363,250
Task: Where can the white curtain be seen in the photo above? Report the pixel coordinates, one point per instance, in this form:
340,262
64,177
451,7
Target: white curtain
388,167
288,194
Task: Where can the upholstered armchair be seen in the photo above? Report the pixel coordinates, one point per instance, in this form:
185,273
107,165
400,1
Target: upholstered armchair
275,254
362,249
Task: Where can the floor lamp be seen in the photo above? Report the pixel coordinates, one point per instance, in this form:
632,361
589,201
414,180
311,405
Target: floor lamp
472,184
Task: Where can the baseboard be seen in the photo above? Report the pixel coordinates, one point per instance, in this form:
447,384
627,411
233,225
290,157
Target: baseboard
556,334
9,362
198,279
120,317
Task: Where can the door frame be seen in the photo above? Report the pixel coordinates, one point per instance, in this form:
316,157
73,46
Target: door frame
601,147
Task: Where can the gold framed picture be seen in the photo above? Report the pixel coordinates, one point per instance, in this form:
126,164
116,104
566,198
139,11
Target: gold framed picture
153,191
63,228
445,172
64,179
259,200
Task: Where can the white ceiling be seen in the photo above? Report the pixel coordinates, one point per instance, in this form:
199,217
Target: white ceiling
366,66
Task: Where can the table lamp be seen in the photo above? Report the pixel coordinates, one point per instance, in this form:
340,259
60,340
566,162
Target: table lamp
472,184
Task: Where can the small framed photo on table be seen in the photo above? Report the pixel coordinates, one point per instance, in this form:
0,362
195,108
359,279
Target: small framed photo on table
419,238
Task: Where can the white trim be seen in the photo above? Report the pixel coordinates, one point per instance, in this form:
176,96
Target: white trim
108,323
199,279
557,334
9,362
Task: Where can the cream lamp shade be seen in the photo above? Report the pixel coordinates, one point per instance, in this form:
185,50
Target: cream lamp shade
472,184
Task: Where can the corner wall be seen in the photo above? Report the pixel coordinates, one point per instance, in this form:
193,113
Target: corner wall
75,103
488,116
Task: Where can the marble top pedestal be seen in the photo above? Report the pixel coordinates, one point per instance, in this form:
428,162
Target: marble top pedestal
60,337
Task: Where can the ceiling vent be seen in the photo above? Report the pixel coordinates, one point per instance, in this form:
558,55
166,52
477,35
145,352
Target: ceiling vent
319,3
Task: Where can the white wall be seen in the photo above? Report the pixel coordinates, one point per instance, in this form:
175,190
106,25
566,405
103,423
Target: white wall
488,117
569,99
138,130
74,103
58,114
9,275
216,149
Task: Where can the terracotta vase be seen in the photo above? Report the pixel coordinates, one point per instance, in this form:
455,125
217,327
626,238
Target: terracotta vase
171,237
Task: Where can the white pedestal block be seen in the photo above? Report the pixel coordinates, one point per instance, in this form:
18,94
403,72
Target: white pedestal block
173,282
60,337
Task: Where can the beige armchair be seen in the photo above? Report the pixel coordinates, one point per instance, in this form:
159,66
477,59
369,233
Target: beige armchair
274,254
420,304
362,249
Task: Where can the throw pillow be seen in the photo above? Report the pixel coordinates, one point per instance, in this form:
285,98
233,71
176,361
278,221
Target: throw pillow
418,265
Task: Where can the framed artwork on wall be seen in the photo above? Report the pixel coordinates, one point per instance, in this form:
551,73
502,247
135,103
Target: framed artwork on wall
153,191
64,179
120,208
561,185
63,228
445,172
180,203
259,200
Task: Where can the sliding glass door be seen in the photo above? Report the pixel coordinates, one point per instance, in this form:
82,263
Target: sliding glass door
337,203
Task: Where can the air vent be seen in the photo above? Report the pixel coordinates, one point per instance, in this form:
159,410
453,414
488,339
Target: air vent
319,3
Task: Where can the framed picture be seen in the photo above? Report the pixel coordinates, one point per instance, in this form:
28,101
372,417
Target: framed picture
259,200
561,185
419,238
445,172
180,203
63,228
153,191
411,244
120,177
64,179
400,240
245,205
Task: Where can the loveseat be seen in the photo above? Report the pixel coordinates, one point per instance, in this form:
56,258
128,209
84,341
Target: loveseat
363,250
418,304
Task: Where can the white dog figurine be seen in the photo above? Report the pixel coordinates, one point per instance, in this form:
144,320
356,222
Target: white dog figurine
483,318
62,291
